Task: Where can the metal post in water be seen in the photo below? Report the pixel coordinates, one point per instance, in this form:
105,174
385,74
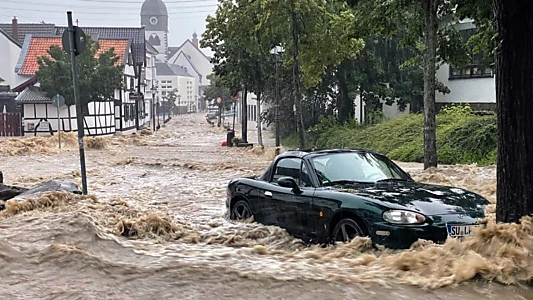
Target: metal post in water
79,112
58,123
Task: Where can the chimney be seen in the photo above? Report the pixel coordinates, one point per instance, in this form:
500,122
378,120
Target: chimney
15,29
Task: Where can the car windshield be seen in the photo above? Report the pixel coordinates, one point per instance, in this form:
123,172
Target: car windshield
359,167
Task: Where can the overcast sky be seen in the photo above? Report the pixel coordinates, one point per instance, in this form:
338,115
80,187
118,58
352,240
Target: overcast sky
185,16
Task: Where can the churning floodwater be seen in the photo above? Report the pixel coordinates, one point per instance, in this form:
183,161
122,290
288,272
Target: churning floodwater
153,227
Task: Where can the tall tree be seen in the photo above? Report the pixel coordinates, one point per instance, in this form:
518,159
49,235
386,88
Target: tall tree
321,35
98,73
217,89
426,24
514,91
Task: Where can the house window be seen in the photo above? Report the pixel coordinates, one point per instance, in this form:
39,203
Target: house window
475,69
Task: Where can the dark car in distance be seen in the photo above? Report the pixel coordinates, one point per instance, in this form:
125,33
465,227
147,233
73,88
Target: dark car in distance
335,195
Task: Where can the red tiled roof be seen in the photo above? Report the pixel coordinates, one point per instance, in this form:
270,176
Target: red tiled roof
39,46
119,46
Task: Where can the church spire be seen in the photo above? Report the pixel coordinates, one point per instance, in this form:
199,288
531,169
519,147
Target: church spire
195,40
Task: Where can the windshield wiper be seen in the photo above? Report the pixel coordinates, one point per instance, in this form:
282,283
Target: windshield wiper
392,179
335,182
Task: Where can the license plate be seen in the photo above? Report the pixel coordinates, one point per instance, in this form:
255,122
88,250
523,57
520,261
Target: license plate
460,230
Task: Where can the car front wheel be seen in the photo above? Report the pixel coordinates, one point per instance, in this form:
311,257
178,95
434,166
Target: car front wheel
241,211
346,230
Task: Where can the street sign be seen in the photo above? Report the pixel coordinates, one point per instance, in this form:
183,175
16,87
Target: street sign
58,100
80,41
219,100
236,97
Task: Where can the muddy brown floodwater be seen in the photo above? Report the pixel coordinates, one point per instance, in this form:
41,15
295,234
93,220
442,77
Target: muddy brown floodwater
154,228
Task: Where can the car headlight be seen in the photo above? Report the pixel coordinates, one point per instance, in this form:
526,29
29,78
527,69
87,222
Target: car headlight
403,217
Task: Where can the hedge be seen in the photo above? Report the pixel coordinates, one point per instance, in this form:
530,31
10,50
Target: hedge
462,137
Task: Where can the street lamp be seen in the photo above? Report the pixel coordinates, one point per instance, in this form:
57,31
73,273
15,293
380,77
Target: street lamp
277,52
153,90
179,104
196,102
164,100
158,108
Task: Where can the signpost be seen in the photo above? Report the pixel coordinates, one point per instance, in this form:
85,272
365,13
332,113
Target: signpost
74,43
58,101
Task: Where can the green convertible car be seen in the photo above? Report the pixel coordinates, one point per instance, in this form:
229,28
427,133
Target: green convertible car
336,195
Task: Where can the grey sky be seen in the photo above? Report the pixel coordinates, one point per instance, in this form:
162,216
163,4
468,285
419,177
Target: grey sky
185,16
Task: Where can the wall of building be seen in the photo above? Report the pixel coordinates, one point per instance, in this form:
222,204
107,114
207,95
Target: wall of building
200,61
480,91
9,54
44,117
188,89
469,90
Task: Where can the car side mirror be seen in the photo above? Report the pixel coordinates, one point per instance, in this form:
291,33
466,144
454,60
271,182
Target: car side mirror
289,182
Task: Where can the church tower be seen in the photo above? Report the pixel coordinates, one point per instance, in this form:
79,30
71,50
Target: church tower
154,18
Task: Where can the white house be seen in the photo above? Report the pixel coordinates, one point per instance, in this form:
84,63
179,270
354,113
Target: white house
474,84
150,90
102,118
193,59
9,53
171,77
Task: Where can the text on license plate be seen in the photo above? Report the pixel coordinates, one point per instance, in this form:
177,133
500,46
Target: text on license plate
460,230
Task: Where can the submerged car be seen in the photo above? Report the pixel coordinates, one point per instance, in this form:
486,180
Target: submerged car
336,195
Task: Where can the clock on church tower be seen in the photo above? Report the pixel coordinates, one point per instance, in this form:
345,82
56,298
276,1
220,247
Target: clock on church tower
154,18
154,15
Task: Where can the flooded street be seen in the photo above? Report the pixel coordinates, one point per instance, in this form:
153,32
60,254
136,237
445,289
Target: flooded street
153,227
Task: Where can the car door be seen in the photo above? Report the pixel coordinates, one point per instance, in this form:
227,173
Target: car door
273,195
304,204
289,210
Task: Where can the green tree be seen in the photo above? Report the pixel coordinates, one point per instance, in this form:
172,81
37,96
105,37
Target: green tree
316,35
98,74
172,97
218,89
426,26
1,80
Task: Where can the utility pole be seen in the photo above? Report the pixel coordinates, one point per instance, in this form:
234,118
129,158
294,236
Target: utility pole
77,43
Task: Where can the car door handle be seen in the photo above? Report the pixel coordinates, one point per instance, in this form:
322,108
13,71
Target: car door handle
268,194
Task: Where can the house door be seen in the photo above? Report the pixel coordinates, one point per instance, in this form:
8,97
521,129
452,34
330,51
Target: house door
10,124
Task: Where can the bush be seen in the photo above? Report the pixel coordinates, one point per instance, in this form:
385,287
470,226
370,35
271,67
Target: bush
462,137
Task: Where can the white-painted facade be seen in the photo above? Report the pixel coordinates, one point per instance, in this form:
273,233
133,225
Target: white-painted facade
41,119
466,88
188,90
9,54
251,102
150,95
182,60
201,62
186,86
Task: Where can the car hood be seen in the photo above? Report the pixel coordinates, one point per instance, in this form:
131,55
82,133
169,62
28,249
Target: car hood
428,199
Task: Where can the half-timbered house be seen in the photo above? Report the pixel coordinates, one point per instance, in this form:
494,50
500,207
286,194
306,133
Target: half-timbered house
41,117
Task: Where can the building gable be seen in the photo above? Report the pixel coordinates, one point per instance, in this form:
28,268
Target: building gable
9,38
185,62
196,57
